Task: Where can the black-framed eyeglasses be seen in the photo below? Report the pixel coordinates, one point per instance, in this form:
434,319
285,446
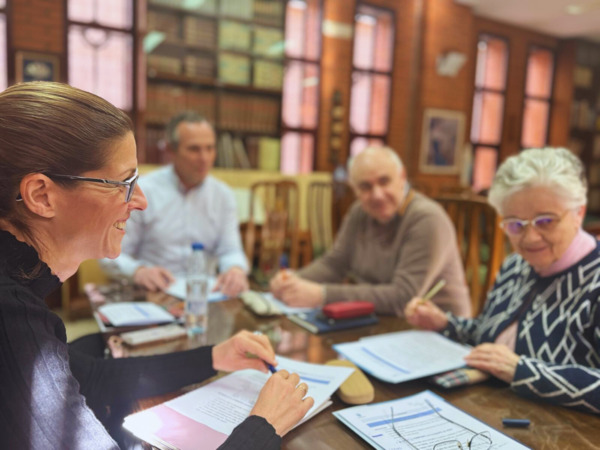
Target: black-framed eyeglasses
129,184
479,441
543,223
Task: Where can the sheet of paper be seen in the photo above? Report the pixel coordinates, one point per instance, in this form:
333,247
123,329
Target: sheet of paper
406,355
178,289
285,309
419,425
214,410
223,404
135,313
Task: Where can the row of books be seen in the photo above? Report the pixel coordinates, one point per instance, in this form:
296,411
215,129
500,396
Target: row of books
235,69
249,113
583,115
164,101
268,11
259,152
246,113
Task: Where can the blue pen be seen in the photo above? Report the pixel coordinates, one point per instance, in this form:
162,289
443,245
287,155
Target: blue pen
270,367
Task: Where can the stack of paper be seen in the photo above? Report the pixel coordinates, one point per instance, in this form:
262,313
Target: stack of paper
422,420
135,313
209,414
405,355
179,288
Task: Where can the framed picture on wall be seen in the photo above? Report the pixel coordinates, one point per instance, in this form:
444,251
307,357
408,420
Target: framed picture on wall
442,141
37,67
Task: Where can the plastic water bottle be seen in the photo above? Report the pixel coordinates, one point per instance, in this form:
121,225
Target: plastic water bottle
196,299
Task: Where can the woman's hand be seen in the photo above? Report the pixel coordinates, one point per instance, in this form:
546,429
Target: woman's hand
425,314
496,359
244,350
282,401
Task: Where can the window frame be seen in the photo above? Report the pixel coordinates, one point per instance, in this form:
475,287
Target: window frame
549,100
6,11
372,72
135,57
287,60
482,90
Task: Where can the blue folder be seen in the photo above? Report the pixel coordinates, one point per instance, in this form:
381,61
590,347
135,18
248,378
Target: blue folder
316,322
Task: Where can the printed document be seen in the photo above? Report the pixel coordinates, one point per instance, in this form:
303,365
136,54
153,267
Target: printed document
211,412
420,426
135,313
405,355
179,289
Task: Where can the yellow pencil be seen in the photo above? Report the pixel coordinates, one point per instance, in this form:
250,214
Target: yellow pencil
434,290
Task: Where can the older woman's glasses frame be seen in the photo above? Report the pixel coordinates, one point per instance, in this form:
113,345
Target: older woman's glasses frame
479,441
542,223
129,184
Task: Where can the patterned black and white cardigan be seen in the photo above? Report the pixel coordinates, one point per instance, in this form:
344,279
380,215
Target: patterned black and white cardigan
558,335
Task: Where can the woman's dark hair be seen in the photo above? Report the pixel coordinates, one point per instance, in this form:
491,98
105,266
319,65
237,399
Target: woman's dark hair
52,128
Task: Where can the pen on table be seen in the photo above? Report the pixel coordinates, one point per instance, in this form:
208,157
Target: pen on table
434,290
515,423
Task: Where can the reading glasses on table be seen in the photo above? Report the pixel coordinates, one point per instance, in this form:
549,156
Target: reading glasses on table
479,441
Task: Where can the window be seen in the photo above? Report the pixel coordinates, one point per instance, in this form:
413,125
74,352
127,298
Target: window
538,98
300,104
488,108
371,77
100,48
3,34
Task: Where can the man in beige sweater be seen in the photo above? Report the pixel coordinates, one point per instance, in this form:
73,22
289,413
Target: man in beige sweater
394,244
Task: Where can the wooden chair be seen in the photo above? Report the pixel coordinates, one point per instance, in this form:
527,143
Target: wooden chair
279,232
481,242
319,203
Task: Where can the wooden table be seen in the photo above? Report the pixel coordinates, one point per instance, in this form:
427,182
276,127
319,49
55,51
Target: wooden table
552,427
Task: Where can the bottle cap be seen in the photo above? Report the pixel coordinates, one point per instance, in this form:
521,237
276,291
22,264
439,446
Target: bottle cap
197,246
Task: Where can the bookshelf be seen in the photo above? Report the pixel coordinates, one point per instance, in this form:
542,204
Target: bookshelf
585,117
223,59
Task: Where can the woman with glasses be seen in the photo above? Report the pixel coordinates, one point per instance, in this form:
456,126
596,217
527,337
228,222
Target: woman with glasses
540,326
67,187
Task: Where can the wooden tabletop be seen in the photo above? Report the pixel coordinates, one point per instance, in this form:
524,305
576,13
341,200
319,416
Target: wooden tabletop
552,427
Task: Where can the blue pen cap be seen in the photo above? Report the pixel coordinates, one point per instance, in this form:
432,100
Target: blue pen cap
197,246
283,261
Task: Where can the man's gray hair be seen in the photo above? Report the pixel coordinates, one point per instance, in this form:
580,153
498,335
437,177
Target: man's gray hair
186,116
373,150
556,168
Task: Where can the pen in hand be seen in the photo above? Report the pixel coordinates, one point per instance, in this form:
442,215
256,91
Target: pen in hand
270,367
434,290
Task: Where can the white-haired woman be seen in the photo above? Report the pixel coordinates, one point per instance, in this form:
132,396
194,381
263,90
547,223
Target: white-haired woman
540,327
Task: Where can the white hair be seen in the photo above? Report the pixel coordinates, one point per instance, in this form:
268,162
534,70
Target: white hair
556,168
373,150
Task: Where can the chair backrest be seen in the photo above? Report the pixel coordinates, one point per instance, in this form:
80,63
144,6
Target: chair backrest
276,197
319,204
481,242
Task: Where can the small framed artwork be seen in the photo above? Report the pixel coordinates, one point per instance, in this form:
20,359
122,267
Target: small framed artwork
442,141
37,67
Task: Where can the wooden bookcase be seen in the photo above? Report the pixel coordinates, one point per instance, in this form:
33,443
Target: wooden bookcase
222,59
585,117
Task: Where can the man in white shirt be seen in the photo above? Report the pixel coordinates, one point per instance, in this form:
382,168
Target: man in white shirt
185,205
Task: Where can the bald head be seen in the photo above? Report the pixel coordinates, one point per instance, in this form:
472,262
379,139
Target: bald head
378,179
371,156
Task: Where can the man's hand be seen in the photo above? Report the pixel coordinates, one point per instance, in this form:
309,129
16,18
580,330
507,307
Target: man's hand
496,359
297,292
232,283
425,314
153,278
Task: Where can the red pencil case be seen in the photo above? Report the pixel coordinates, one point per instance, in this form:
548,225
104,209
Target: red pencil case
348,310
